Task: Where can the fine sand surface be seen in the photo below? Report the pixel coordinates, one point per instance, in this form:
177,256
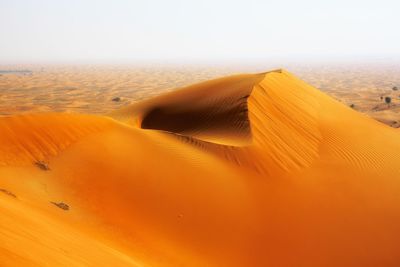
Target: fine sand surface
247,170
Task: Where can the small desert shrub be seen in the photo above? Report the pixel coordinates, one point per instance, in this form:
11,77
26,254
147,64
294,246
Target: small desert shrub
395,88
388,99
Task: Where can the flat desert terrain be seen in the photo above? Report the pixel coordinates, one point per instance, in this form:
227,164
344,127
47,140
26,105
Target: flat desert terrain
91,89
114,166
363,87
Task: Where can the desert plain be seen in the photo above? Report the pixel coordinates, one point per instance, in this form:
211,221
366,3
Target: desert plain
91,88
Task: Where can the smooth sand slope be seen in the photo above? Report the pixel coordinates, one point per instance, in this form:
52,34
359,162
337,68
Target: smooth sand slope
248,170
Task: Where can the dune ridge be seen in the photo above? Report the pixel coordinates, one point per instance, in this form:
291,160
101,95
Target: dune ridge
267,127
246,170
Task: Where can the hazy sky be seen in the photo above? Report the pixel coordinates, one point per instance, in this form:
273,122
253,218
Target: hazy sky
206,30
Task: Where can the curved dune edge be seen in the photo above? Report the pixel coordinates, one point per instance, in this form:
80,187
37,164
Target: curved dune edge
226,117
213,111
268,172
240,118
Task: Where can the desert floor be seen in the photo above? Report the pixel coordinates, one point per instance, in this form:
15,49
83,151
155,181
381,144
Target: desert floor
91,89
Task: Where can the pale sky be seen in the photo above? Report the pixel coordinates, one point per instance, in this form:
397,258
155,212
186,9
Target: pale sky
188,31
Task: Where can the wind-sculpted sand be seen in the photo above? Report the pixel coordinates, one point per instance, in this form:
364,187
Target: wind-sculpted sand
246,170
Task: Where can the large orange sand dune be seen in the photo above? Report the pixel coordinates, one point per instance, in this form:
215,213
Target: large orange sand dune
248,170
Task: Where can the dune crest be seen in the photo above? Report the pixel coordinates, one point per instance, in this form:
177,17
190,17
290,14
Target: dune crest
248,170
241,117
213,111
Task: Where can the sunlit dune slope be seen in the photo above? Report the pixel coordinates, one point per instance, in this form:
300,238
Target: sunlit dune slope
248,170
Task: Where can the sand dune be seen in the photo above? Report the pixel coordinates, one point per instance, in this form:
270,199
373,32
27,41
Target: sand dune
247,170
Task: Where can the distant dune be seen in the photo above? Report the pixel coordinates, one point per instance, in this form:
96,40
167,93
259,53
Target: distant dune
247,170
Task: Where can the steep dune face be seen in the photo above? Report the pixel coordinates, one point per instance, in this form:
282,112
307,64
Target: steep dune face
214,111
245,114
285,125
248,170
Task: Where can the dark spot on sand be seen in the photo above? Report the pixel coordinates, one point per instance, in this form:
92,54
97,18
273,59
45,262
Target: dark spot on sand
8,193
116,99
42,165
61,205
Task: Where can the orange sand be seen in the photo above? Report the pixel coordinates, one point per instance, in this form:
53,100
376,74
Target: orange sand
248,170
